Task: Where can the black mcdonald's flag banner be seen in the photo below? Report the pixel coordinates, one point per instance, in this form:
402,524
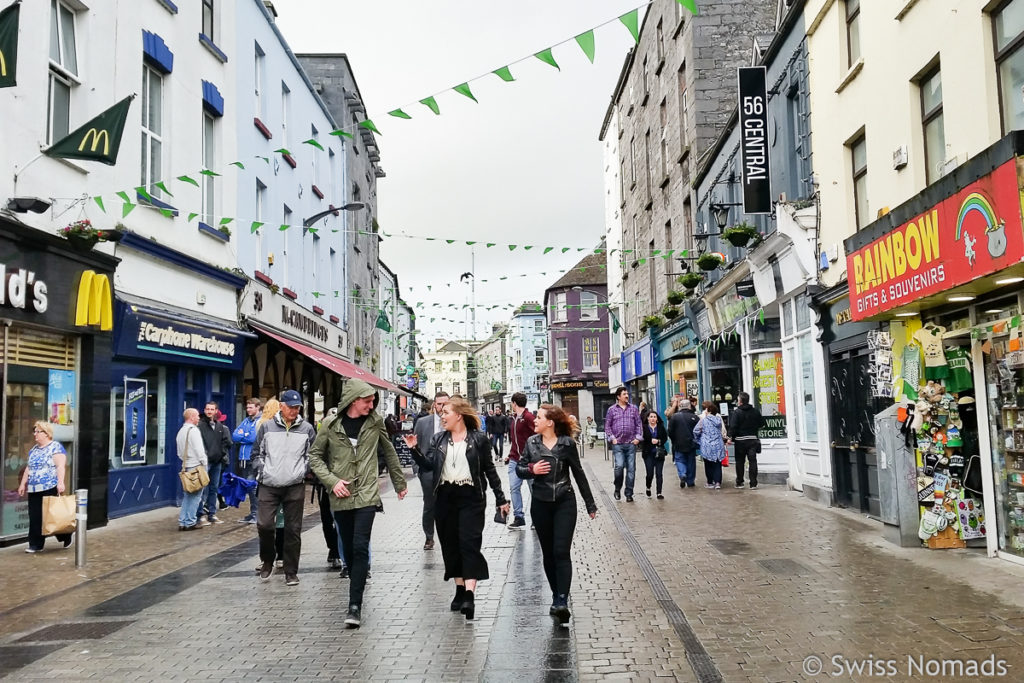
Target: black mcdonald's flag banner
96,140
9,45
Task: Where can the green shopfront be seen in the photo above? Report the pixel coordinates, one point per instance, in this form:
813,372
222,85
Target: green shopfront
677,356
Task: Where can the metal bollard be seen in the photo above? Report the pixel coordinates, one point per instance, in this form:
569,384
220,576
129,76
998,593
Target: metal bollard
82,516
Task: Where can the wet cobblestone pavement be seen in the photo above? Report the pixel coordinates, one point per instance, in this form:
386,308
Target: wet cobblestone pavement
732,585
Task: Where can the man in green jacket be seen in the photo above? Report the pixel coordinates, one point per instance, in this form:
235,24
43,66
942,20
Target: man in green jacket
344,458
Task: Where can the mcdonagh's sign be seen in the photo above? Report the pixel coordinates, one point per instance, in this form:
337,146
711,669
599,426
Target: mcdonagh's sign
974,233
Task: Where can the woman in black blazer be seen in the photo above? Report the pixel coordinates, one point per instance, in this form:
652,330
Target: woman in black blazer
654,450
460,458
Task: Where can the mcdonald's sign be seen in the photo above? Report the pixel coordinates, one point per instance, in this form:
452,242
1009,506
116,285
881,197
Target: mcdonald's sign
95,304
96,137
9,45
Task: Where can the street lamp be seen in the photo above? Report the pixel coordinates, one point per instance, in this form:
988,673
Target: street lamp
721,214
353,206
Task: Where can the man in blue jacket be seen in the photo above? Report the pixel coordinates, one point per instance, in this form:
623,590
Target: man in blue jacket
245,437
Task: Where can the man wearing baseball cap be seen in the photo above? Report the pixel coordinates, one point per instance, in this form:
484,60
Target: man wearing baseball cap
344,459
280,458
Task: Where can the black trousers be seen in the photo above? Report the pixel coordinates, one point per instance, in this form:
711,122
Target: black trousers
355,527
713,472
291,498
555,524
36,540
459,513
746,451
427,484
327,522
655,468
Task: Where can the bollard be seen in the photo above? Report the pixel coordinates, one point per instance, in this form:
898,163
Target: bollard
82,516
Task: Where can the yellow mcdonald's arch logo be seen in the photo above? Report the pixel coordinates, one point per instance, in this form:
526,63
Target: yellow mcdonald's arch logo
96,137
94,306
3,64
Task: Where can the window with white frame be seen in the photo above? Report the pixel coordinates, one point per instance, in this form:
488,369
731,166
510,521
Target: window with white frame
853,31
438,365
538,326
561,355
591,354
259,74
540,356
455,365
286,105
261,202
208,15
286,219
932,123
152,129
438,388
561,312
456,388
63,70
210,163
798,345
588,305
315,154
859,155
1008,28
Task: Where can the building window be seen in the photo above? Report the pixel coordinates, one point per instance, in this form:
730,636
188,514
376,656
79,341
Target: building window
63,69
261,249
316,156
438,366
591,354
1008,27
588,306
664,139
208,19
285,108
931,120
859,153
684,109
647,89
455,365
561,313
438,388
632,163
286,219
661,44
647,162
152,129
562,355
853,30
538,327
456,388
210,163
539,356
258,81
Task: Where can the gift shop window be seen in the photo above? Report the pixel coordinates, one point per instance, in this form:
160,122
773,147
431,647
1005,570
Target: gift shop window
1004,375
798,349
145,429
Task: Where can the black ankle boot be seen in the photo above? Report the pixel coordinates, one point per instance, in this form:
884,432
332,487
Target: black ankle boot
468,606
460,597
562,609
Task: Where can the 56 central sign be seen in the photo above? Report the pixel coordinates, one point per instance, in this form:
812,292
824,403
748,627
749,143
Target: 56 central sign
753,109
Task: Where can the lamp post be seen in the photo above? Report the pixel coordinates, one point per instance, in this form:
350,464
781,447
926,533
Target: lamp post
352,206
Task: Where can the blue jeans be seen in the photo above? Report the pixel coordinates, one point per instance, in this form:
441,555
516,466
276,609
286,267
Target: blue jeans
515,485
625,458
498,444
189,507
686,466
209,494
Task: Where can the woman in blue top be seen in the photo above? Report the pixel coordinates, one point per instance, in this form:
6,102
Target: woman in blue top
44,476
708,432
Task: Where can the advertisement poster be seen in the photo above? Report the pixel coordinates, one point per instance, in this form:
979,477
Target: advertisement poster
60,398
974,233
134,450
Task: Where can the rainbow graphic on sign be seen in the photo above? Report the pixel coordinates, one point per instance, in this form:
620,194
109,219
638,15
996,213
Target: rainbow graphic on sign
977,202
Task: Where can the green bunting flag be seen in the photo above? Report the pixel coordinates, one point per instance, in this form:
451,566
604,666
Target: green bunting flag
141,192
256,225
98,139
463,89
163,188
586,43
548,58
239,164
124,197
191,217
9,45
225,220
368,125
313,142
547,249
342,134
399,114
99,202
431,104
690,5
630,21
504,74
214,174
126,209
187,179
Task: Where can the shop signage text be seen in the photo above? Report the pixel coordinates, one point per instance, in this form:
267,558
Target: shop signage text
579,384
974,233
753,110
279,313
168,336
303,323
774,427
18,285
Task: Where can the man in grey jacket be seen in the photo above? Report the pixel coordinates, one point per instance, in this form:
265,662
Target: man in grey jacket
280,458
424,430
192,454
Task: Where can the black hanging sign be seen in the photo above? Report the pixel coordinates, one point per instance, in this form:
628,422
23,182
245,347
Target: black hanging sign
753,108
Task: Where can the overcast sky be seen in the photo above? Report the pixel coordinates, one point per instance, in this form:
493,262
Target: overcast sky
523,166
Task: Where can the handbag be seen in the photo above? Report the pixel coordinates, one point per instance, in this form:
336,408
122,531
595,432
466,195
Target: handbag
194,480
58,515
661,453
500,517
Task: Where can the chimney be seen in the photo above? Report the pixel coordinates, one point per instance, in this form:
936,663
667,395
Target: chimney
270,8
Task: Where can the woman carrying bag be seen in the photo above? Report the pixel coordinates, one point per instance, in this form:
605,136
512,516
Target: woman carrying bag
43,476
460,458
708,433
654,452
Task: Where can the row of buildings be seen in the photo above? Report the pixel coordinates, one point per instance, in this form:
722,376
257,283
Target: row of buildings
893,227
238,246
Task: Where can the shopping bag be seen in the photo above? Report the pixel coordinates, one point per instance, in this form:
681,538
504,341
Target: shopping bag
194,480
725,460
58,515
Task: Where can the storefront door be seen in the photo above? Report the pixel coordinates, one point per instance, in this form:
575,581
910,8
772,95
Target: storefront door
852,412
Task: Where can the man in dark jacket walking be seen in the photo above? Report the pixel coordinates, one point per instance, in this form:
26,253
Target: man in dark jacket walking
497,425
520,428
684,447
744,423
217,442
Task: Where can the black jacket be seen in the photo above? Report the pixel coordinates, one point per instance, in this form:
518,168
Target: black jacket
647,447
478,453
216,440
680,431
555,484
744,423
497,424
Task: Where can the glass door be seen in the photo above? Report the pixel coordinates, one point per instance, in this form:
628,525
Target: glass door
26,403
1004,377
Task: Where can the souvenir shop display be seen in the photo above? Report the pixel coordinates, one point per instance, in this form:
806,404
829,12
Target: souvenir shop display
880,362
1005,375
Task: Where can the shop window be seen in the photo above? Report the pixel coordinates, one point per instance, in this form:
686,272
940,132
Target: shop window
807,396
141,416
998,310
1008,28
765,335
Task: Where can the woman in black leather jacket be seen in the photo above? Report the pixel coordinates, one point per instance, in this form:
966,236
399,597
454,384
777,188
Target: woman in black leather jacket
550,454
654,451
460,457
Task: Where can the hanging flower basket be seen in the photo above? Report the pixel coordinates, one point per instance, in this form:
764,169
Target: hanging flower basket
690,280
740,235
676,297
670,312
82,235
710,261
651,321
